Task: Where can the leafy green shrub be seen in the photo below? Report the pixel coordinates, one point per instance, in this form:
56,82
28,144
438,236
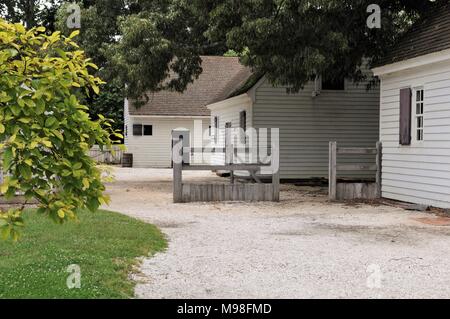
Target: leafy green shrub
44,130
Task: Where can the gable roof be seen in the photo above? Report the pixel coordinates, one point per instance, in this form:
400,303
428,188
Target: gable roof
221,76
429,35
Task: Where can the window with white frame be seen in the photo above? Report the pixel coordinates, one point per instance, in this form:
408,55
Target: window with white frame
418,114
142,130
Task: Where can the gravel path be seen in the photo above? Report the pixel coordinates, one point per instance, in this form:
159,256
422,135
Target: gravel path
302,247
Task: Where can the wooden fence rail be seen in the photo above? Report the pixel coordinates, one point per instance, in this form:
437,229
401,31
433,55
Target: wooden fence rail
107,156
354,190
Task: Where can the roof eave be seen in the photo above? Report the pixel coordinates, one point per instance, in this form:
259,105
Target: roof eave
419,61
225,103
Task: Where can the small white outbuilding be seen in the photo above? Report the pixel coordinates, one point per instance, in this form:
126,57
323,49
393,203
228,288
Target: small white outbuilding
415,113
148,129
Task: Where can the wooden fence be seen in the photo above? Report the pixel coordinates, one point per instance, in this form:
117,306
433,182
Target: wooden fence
235,191
107,156
354,190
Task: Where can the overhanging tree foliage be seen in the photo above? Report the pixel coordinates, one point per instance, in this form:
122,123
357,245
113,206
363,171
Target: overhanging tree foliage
30,12
99,28
288,40
45,132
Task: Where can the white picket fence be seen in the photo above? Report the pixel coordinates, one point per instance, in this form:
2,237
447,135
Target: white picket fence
106,156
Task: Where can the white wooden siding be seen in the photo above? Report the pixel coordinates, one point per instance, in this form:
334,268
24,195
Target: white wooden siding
228,112
418,173
307,124
155,150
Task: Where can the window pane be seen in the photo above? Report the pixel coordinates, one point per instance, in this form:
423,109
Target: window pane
418,108
333,84
419,135
419,95
137,129
419,122
148,129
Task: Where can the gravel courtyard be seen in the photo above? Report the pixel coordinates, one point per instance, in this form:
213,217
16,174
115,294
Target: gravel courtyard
302,247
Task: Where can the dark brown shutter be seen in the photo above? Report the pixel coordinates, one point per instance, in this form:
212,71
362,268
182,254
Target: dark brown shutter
405,116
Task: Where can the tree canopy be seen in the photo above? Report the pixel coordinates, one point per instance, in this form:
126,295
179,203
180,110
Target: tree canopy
288,40
99,29
45,131
144,43
30,12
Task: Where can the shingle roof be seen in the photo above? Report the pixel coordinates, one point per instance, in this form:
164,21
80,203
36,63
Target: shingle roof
220,77
431,34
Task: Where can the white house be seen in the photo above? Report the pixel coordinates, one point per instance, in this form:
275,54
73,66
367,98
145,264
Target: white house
323,111
415,114
148,129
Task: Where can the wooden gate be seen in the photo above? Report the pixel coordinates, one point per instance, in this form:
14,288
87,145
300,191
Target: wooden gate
354,190
234,191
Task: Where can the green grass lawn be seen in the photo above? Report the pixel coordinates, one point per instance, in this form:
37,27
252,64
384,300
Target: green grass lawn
104,244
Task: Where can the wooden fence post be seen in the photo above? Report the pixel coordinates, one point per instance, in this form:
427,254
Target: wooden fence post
276,185
229,150
332,176
177,171
379,168
275,158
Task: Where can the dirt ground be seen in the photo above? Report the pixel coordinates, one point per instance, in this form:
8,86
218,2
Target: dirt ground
302,247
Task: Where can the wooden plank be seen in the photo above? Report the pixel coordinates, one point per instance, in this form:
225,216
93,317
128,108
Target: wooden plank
177,183
255,177
248,195
356,151
350,191
268,192
210,191
332,176
233,167
186,193
227,192
356,167
220,193
255,192
275,162
194,150
276,186
192,193
379,168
